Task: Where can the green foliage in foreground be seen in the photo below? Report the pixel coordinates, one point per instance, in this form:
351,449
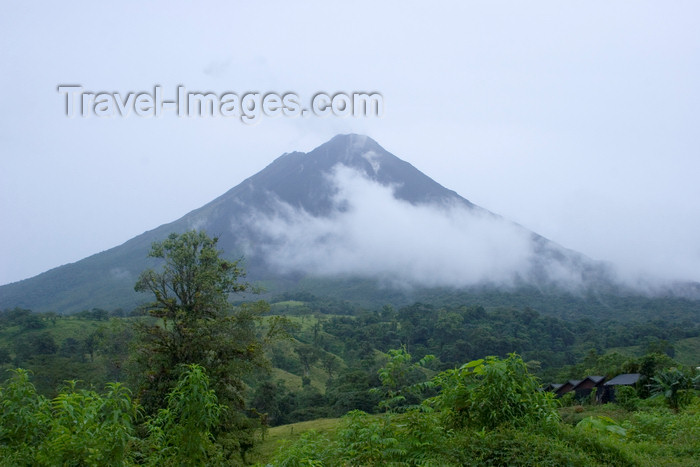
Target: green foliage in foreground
77,427
646,438
490,412
418,438
487,412
83,428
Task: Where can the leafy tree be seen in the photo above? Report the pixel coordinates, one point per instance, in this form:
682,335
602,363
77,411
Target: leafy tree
311,449
351,390
196,324
43,344
308,355
267,399
330,364
368,441
397,378
649,366
99,314
92,342
27,346
32,321
72,348
626,397
671,384
115,346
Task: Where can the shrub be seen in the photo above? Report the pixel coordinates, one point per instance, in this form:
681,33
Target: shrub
24,419
508,446
181,433
311,450
490,392
603,425
88,428
626,397
601,448
567,400
78,427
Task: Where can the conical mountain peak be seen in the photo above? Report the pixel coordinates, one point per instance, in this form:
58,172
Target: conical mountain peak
304,213
347,148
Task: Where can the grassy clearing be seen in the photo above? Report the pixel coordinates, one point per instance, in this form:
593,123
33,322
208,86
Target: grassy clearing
64,327
291,381
654,436
272,440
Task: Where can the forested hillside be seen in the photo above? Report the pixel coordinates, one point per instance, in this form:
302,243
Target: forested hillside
193,362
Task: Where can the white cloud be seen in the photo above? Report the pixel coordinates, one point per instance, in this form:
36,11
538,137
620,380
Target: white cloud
380,236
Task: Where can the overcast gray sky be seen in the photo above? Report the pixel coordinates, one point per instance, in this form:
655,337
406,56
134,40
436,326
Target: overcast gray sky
578,120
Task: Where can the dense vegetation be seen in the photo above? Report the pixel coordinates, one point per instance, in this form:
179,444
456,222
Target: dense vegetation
83,427
486,412
489,412
193,378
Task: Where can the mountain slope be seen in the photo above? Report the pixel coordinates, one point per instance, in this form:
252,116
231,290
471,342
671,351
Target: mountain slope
346,210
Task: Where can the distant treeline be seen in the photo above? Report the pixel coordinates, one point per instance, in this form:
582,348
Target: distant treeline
339,347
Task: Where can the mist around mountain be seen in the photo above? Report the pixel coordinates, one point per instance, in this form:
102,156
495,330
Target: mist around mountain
347,220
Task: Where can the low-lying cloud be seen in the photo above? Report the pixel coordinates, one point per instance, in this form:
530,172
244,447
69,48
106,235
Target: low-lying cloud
374,234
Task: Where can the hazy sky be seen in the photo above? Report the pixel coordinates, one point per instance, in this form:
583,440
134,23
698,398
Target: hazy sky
580,121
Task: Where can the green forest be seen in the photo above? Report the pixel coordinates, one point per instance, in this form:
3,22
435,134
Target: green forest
200,377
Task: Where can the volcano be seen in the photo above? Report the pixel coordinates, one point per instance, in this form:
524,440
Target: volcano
347,211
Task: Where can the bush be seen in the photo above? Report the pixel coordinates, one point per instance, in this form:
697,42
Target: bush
491,392
181,433
626,397
88,428
567,400
311,450
78,427
508,446
602,425
82,427
601,448
24,414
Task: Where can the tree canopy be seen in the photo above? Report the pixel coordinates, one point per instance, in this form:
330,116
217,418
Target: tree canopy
196,324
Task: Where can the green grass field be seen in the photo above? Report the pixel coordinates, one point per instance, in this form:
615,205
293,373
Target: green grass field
274,438
65,327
